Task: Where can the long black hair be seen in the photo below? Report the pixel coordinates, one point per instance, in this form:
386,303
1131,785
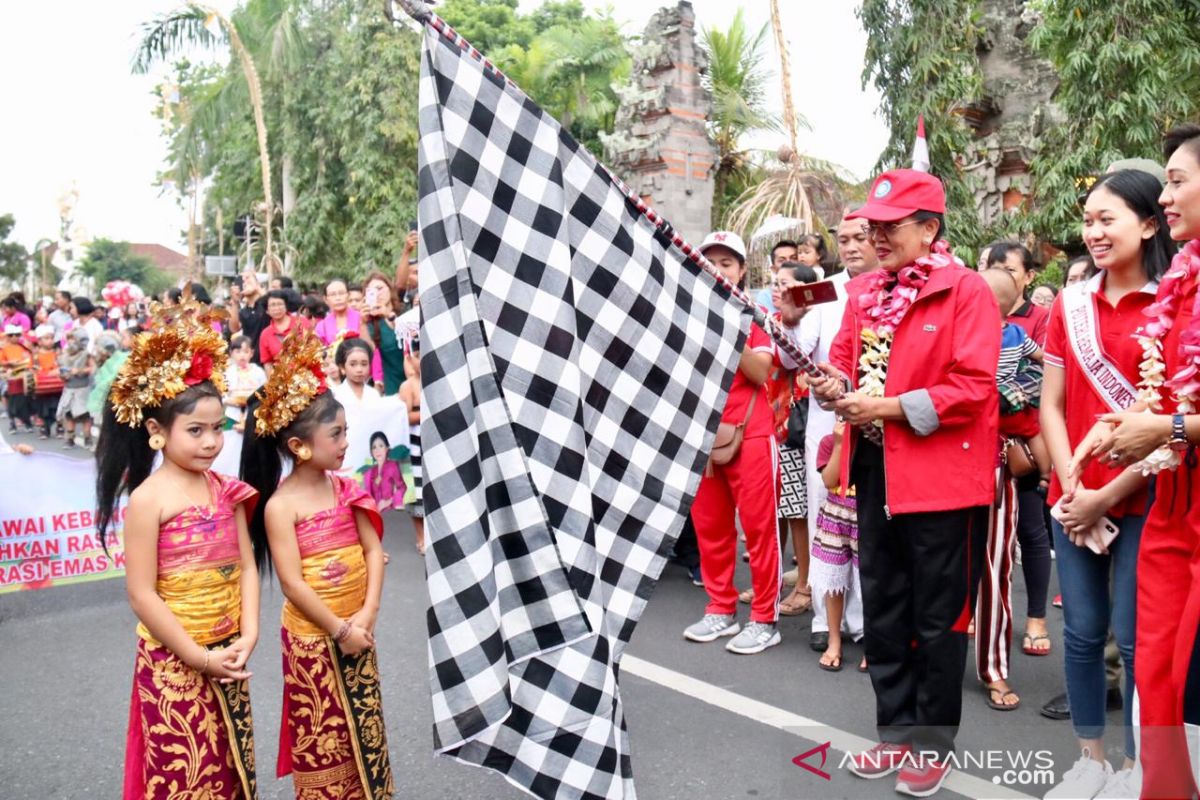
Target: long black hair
1140,191
347,347
262,461
123,454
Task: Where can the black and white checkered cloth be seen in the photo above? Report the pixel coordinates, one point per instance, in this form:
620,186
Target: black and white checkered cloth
575,364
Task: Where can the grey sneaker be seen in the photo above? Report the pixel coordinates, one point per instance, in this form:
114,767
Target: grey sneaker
754,638
712,627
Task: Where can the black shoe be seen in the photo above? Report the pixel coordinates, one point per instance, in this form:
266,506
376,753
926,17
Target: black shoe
1057,708
1112,700
819,641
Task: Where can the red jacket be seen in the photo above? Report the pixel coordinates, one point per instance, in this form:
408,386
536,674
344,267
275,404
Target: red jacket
943,368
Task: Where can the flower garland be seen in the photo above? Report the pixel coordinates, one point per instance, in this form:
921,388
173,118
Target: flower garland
883,303
1185,383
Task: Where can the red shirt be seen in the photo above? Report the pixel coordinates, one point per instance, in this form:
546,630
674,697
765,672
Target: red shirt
762,422
1035,321
270,342
1118,326
1170,345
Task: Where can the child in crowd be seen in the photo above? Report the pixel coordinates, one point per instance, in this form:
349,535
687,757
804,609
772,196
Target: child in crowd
834,567
242,379
1019,381
353,361
189,569
48,381
410,393
76,366
811,251
15,364
322,534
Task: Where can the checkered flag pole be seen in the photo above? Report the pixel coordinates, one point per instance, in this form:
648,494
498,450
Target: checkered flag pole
575,364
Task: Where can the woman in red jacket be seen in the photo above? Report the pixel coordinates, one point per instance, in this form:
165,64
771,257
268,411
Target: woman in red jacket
915,364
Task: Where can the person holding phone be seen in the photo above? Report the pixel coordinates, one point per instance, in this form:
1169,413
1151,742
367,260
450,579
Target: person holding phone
387,365
406,267
1091,368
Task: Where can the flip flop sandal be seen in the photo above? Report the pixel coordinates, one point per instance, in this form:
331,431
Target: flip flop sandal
1028,642
1001,705
862,665
835,667
746,596
787,609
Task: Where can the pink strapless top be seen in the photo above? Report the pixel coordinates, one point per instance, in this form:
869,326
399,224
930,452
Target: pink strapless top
335,527
202,537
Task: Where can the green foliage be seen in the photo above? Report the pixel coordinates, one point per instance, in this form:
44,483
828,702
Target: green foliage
921,56
13,258
489,25
108,260
737,77
1129,71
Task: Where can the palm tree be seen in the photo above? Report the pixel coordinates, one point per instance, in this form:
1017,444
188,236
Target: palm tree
195,25
737,77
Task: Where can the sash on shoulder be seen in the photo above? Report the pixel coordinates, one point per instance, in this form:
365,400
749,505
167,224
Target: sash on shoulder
1079,307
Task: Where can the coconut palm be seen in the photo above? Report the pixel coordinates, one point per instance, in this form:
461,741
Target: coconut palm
194,25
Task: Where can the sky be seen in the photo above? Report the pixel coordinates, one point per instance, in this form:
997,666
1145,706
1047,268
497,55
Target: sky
76,116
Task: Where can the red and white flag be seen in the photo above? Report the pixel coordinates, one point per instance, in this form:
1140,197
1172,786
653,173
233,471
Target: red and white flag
920,155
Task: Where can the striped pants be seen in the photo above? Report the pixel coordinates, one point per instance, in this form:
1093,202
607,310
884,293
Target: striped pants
993,609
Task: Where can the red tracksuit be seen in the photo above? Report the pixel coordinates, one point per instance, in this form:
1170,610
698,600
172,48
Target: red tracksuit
749,487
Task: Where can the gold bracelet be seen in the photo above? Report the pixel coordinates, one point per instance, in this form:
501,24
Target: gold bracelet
207,655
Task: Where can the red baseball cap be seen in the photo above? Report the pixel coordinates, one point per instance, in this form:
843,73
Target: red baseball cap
899,193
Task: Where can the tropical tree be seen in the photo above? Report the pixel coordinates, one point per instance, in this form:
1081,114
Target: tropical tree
109,260
737,77
198,26
13,258
1118,93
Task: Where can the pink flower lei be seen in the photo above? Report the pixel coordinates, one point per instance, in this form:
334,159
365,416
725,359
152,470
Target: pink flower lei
1185,383
887,296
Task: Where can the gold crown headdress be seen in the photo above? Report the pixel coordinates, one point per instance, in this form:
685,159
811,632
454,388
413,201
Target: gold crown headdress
181,349
295,381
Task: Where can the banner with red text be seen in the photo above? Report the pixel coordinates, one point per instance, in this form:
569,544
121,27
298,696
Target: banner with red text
47,524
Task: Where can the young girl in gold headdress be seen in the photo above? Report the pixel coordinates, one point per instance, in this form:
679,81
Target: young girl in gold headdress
189,564
322,533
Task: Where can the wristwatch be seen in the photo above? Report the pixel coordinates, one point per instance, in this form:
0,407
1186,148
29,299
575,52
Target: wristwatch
1178,441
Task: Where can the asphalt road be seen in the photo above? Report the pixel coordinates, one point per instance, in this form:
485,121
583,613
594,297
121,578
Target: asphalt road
704,724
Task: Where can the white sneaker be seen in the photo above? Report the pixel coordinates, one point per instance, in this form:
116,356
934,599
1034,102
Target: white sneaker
1083,781
1124,784
754,638
712,627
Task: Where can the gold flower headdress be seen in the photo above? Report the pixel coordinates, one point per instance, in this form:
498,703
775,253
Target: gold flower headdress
296,379
181,349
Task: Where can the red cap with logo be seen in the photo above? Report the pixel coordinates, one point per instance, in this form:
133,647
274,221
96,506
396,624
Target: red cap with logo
900,193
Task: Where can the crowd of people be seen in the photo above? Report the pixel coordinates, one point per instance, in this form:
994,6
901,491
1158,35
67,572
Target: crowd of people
960,416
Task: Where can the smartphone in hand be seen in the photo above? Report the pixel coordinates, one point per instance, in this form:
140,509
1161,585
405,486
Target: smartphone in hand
812,294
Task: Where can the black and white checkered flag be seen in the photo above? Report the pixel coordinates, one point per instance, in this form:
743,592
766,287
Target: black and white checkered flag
575,364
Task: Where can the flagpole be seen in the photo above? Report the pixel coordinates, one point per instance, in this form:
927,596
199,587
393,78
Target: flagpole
422,13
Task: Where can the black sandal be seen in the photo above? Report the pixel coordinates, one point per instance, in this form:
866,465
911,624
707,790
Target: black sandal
836,667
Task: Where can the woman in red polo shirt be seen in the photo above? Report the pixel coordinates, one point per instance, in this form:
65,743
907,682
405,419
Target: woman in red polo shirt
280,324
747,486
1092,359
916,356
1162,442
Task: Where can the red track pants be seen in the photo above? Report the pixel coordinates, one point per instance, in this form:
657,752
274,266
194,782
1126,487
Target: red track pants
749,486
1168,611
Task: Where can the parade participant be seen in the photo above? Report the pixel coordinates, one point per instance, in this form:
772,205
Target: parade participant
387,365
321,533
1019,381
784,250
83,317
342,320
242,379
745,483
189,565
916,357
1167,621
77,366
48,381
785,390
15,369
1092,363
353,361
410,394
12,312
835,566
814,337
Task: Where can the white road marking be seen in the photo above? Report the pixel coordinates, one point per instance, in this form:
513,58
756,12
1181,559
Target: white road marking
958,781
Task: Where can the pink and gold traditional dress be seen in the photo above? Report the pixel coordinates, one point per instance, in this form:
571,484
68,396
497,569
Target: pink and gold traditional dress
332,736
191,737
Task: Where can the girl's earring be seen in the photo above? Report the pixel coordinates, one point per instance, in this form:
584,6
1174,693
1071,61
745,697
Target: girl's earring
303,453
158,441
